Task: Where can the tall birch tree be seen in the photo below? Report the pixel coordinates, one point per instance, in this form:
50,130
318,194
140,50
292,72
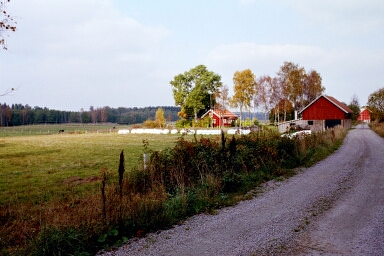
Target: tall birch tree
244,90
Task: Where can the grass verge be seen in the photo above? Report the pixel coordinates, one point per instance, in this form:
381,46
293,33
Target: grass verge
378,128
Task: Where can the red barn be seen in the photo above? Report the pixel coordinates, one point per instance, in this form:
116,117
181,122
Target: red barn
364,116
220,117
326,112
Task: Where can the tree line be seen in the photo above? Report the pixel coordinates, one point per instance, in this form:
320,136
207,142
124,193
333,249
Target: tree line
18,114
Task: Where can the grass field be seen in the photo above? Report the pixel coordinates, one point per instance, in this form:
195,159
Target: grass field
60,195
41,166
49,129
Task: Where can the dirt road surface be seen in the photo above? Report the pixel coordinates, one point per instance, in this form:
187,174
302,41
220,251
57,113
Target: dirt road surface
335,207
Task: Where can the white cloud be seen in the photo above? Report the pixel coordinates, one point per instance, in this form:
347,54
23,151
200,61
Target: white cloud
344,17
85,29
261,58
83,51
344,71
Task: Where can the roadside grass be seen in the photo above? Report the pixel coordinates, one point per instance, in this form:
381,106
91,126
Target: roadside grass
378,128
60,193
321,145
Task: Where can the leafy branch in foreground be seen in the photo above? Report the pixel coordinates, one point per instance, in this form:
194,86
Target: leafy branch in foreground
7,23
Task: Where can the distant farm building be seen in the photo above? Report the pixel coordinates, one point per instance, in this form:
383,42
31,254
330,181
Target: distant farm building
326,112
220,117
364,116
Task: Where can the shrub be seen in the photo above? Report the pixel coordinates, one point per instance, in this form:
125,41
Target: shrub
150,124
56,241
183,123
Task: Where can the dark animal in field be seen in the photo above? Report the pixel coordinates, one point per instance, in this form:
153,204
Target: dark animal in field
61,131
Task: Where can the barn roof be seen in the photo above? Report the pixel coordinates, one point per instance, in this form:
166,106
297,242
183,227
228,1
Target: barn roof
364,109
334,101
226,114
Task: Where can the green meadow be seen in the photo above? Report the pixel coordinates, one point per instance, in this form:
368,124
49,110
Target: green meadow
37,163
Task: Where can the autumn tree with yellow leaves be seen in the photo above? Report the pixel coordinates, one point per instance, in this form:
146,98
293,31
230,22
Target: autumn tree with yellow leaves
245,87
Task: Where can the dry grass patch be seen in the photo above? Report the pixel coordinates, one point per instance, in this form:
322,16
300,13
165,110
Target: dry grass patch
378,128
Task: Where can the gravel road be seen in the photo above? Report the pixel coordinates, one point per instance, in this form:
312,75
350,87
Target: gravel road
335,207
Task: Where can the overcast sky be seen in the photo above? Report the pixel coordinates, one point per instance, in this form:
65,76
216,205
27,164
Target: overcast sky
71,54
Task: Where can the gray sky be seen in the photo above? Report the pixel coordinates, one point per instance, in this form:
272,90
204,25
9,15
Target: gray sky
71,54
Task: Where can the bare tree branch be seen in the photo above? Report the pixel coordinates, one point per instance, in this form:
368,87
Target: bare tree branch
8,92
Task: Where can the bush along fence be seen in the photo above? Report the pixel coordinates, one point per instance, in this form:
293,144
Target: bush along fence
196,175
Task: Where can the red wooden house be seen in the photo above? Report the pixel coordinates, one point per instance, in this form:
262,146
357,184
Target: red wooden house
220,117
326,112
364,116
